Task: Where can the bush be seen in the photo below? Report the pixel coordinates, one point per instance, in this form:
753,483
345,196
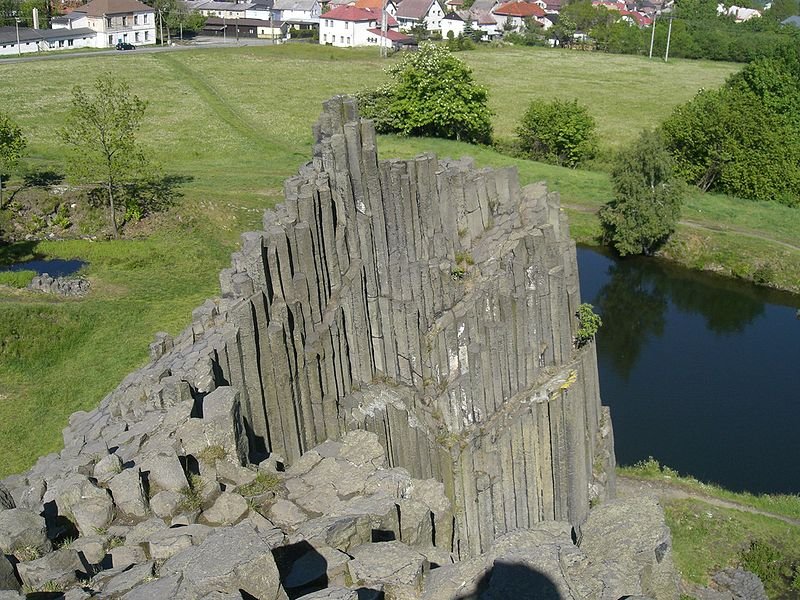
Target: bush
743,139
647,198
588,324
432,95
560,132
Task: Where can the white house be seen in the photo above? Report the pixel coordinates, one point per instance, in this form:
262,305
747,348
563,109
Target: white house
298,11
452,23
411,13
223,10
510,16
113,21
261,9
349,26
42,40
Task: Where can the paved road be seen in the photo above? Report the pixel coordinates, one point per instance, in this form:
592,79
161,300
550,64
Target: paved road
199,42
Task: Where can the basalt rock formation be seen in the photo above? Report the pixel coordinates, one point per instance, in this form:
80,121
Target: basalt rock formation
389,383
432,304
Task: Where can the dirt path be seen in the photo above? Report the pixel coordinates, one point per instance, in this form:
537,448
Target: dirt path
629,486
702,226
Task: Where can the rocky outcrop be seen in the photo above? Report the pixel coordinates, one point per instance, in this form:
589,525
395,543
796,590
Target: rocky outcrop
387,386
61,286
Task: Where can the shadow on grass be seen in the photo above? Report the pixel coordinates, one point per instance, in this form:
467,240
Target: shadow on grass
11,253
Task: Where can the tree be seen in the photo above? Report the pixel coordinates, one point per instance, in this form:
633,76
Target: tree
588,324
647,197
12,146
744,138
560,132
433,94
101,128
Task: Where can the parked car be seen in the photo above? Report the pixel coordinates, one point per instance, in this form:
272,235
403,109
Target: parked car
125,46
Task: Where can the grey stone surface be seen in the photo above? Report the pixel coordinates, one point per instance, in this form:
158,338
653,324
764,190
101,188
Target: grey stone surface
332,593
6,499
8,580
393,565
741,584
21,528
61,286
125,580
228,509
59,567
232,559
128,492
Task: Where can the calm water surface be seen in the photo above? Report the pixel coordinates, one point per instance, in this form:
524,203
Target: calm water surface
55,267
701,372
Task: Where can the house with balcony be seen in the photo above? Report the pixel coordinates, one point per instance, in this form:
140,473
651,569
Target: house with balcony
113,21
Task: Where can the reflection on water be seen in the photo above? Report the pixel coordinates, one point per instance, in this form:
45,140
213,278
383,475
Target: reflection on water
700,371
55,267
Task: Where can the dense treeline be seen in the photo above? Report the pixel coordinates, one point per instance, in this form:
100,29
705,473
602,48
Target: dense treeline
744,138
697,32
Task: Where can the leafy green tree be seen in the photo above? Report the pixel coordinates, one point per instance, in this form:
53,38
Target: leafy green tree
783,9
432,94
101,129
561,132
647,197
744,138
12,147
563,31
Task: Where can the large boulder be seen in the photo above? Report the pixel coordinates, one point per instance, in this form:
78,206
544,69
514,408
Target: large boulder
56,568
128,492
394,566
229,560
22,529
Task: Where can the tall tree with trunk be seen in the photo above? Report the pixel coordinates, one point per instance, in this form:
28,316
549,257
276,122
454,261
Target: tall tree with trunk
12,146
101,128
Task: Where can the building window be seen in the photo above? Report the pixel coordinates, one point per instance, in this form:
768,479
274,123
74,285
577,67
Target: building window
111,40
69,42
144,19
137,36
108,22
124,21
341,39
135,19
60,43
146,35
348,40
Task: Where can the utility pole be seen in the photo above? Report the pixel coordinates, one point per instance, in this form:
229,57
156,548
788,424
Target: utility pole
19,48
653,34
669,34
384,49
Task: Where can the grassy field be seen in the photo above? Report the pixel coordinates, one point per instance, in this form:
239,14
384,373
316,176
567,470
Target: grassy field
236,122
709,535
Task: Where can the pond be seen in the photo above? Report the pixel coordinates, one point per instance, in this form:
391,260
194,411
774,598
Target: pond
701,372
55,267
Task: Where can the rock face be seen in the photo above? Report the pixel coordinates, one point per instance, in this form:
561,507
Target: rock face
423,300
387,389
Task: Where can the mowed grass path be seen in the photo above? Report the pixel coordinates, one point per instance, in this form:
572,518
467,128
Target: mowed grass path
237,121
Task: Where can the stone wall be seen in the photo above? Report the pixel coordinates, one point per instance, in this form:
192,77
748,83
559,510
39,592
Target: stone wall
423,300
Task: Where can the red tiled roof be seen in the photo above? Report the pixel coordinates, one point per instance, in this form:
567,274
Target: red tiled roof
519,9
391,35
371,4
99,8
351,13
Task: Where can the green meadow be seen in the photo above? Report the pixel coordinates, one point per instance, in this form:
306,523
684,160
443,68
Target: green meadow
235,123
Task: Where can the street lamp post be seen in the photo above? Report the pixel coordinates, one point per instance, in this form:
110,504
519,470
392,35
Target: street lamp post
19,48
